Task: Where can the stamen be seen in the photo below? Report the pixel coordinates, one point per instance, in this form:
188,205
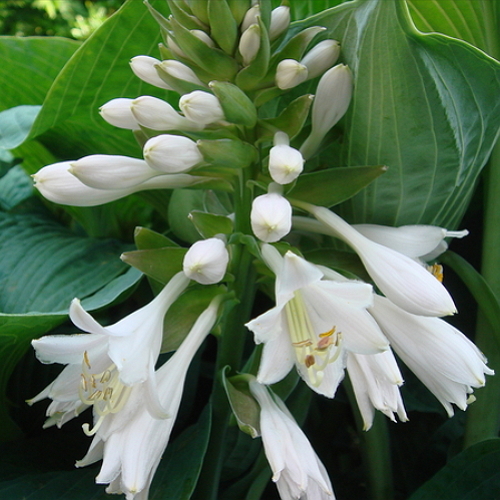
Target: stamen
437,271
86,359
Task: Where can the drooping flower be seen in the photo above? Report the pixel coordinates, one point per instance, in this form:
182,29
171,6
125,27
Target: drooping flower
441,356
106,362
313,324
375,380
271,217
297,470
407,283
132,441
206,261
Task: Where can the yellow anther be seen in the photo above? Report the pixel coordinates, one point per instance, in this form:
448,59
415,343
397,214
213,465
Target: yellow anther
437,271
86,359
329,333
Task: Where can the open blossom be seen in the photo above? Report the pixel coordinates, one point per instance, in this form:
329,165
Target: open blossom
297,470
313,323
441,356
106,362
375,379
206,261
131,442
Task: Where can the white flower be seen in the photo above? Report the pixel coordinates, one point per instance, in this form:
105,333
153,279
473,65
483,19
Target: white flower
144,67
180,71
206,261
285,162
158,114
56,183
375,380
201,107
201,35
271,217
249,43
313,323
132,441
333,96
290,73
441,356
117,112
251,17
106,362
297,470
321,57
171,153
280,20
408,284
111,172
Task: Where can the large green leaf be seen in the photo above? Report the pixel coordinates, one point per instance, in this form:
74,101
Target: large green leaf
427,106
472,475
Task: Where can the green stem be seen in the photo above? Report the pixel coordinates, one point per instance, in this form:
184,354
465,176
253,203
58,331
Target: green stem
483,416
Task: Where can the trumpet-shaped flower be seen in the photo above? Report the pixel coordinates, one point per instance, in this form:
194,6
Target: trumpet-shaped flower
206,261
408,284
144,67
117,112
56,183
131,442
375,380
271,217
106,362
441,356
313,324
297,470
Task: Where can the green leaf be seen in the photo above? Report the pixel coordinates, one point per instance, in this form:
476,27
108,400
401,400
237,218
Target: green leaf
15,187
15,125
471,475
237,106
424,105
209,225
147,238
182,203
334,185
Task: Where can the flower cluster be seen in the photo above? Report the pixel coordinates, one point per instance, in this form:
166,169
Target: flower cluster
218,71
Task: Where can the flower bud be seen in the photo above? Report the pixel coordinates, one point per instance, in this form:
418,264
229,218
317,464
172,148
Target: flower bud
180,71
200,34
285,162
157,114
321,57
250,17
280,20
290,73
333,96
111,172
175,49
271,217
206,261
171,153
249,43
117,112
201,107
144,68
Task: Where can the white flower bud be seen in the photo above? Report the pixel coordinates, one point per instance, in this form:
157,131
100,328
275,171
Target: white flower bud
280,20
285,162
171,153
250,17
181,71
117,112
173,47
206,261
144,68
321,57
111,172
201,107
332,99
290,73
157,114
250,43
271,217
200,34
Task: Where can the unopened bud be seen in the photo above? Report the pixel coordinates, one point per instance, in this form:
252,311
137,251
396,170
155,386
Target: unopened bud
280,20
180,71
200,34
157,114
321,57
285,162
250,43
250,17
144,67
206,261
290,73
271,217
171,153
201,107
117,112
